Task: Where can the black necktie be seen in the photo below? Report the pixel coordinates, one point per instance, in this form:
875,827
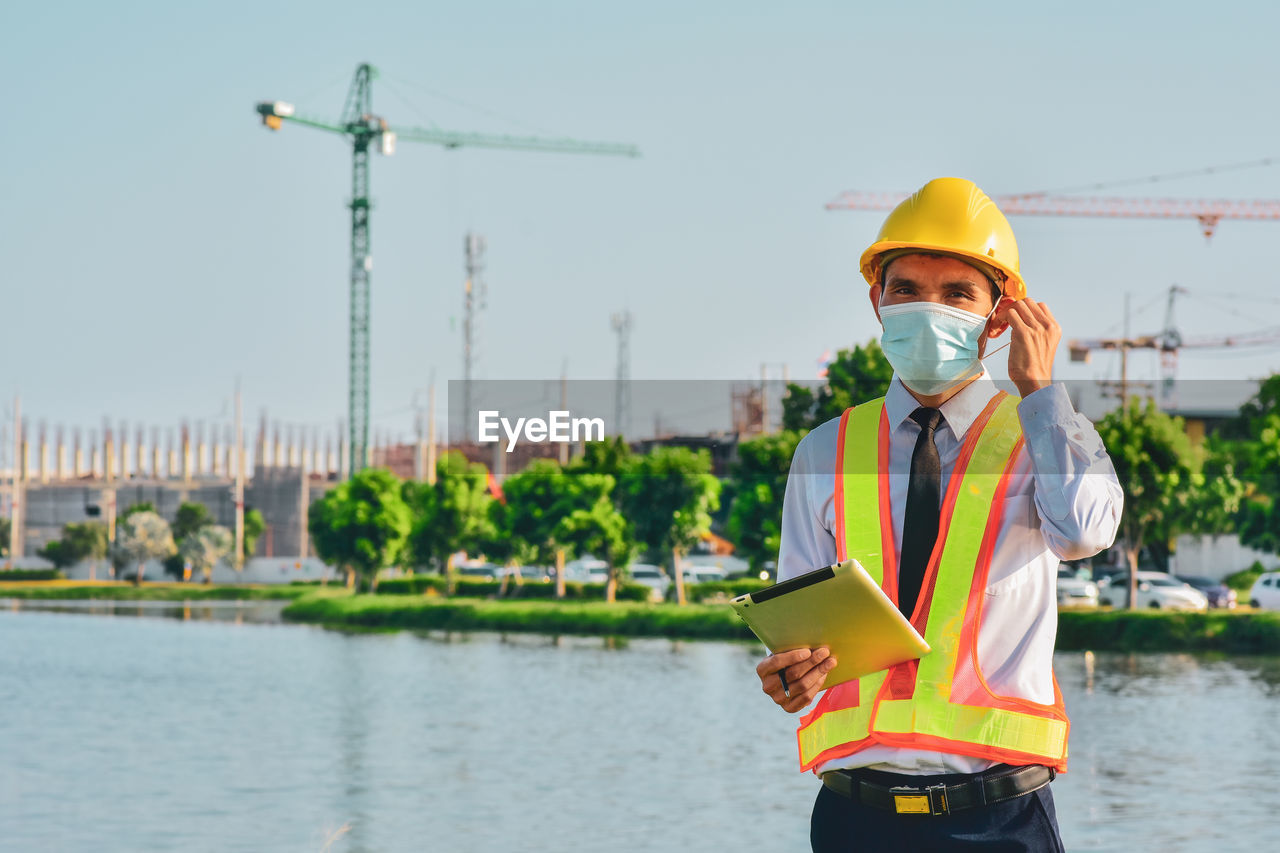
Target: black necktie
920,524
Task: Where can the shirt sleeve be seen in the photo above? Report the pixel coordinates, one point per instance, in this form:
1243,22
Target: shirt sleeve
806,542
1077,494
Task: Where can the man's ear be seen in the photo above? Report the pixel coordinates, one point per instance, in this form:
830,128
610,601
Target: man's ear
996,326
873,293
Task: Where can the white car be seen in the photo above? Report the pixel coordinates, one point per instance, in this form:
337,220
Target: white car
1073,591
1156,590
1265,593
652,577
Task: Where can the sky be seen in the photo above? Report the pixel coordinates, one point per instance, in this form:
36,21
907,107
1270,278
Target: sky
159,244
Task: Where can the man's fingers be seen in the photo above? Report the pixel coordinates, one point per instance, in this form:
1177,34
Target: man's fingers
775,662
812,683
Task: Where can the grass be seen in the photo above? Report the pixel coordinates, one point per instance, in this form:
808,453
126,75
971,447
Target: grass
160,591
1249,632
627,619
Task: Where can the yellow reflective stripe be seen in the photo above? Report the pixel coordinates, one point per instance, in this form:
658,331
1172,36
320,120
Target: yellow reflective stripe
844,725
859,484
964,542
994,727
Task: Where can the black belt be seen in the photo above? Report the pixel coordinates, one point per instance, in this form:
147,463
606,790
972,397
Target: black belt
992,786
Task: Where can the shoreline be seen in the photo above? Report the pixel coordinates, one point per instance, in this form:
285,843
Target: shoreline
1230,631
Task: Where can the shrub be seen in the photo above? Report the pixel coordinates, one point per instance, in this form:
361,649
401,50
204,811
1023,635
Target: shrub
1242,581
476,588
724,590
31,575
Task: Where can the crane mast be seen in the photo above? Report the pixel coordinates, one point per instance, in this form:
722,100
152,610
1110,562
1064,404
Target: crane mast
369,132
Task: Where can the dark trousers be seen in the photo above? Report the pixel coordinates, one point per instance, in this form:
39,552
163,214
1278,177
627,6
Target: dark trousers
1026,824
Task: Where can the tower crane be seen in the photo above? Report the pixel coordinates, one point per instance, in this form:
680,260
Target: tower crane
367,131
1209,212
1167,342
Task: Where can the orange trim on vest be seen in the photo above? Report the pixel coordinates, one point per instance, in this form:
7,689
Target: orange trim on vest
976,709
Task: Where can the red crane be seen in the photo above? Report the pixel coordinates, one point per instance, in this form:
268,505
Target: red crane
1208,211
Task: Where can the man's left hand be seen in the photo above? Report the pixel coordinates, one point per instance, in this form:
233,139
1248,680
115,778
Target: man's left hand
1035,342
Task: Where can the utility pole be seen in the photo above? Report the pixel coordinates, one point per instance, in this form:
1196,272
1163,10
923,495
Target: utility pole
622,391
367,130
238,493
564,407
474,300
17,498
431,432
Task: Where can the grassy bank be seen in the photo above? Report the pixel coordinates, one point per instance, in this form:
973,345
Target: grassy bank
1141,631
124,591
1157,631
629,619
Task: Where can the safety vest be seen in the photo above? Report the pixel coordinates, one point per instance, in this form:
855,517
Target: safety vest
940,702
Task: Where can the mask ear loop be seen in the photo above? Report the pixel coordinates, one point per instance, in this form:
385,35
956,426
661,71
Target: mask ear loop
988,355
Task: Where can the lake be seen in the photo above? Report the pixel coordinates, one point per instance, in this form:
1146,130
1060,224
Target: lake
216,727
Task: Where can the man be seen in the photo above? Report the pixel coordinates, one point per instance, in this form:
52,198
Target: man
960,500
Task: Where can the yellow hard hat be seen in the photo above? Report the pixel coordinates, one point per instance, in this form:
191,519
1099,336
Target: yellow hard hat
950,216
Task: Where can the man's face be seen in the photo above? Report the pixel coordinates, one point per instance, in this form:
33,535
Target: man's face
936,278
941,279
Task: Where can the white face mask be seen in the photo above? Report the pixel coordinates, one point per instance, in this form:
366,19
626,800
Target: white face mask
932,347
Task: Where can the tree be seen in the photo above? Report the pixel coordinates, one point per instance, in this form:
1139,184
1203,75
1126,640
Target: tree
205,547
668,495
189,519
1159,471
362,525
602,457
140,506
141,536
87,541
538,499
1252,439
759,483
450,515
254,526
603,531
854,376
5,528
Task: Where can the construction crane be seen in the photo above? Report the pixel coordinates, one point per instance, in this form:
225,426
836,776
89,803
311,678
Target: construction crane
1167,342
369,131
1209,212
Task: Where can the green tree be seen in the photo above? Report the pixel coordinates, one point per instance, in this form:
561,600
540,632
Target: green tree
205,547
451,514
602,457
140,506
854,376
603,531
536,502
5,528
362,525
1160,472
668,495
759,482
1253,441
190,518
87,541
143,535
254,526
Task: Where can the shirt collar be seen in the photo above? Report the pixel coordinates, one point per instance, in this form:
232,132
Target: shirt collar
959,412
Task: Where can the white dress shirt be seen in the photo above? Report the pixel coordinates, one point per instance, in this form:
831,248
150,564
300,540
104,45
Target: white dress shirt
1063,503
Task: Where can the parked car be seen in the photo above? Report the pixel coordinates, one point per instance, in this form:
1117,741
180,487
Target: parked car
486,571
1265,593
1218,593
652,577
1157,590
1074,591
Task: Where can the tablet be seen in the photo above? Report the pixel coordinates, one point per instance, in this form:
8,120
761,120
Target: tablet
839,607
